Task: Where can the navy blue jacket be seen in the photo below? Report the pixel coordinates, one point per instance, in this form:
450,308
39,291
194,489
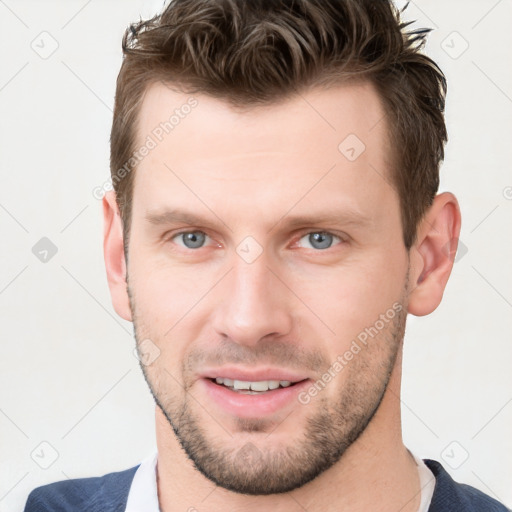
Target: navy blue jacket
109,493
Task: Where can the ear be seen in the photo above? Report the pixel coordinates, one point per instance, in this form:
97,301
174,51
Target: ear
113,251
433,254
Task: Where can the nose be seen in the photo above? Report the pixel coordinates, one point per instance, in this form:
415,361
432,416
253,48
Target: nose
253,304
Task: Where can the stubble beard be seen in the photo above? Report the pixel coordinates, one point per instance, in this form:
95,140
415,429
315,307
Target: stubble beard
261,467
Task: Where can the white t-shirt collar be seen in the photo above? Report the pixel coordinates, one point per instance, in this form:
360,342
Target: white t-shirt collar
143,495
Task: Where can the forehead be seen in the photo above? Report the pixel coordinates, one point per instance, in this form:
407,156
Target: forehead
349,108
320,145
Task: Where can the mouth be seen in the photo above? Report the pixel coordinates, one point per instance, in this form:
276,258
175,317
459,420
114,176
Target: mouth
257,397
253,387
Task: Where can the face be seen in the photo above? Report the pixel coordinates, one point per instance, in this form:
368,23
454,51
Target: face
266,250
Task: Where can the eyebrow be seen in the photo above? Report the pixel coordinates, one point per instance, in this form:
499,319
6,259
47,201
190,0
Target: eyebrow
347,217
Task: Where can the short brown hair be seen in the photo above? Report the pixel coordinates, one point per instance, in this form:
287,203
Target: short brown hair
256,52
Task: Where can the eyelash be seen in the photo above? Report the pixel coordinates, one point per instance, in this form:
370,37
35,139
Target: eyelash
343,239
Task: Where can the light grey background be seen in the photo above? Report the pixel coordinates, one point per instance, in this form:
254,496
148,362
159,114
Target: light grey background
68,375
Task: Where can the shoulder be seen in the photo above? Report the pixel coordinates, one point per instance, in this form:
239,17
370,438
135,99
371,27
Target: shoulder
454,496
107,493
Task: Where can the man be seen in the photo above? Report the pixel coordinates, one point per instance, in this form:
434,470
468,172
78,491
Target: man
274,219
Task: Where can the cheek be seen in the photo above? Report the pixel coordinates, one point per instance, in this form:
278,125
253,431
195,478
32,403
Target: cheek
171,304
349,299
165,290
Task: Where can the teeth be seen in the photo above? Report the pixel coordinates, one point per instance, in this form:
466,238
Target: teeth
226,382
261,385
240,384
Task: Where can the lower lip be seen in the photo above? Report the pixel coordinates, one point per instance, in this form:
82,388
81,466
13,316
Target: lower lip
250,406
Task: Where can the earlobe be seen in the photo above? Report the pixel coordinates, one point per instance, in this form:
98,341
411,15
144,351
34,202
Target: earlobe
113,251
433,254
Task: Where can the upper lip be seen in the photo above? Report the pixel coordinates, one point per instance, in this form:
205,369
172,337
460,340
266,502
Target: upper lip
253,374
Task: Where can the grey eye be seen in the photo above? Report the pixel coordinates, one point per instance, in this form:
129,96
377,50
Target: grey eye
192,239
320,239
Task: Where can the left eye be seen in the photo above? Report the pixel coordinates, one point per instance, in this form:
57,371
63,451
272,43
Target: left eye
320,239
191,239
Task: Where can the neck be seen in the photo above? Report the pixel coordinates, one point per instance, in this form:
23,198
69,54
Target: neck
376,472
